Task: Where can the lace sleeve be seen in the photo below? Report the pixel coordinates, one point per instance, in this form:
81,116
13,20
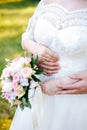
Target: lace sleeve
30,28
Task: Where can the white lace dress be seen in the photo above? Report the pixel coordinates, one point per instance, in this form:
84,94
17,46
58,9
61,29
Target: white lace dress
66,34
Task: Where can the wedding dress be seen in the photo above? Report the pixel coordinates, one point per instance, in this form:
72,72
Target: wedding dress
65,32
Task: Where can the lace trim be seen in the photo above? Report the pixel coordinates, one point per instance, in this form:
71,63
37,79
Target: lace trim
57,16
61,19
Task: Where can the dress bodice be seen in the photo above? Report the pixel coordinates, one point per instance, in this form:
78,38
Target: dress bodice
60,18
66,34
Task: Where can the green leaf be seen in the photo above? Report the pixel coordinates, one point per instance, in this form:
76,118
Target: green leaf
22,106
39,71
35,78
29,104
24,101
34,61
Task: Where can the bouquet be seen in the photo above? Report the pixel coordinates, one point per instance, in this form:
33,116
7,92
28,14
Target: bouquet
18,78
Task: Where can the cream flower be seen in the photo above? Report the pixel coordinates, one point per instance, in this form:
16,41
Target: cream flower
26,72
6,72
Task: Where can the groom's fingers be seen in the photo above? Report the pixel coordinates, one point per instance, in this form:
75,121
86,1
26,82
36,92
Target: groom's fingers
75,85
67,92
75,76
79,75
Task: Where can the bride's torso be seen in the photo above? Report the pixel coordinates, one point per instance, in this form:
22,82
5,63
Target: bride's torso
66,34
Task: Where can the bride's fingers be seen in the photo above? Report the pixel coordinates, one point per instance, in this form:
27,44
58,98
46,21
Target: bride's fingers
42,66
51,55
47,72
48,66
48,63
48,58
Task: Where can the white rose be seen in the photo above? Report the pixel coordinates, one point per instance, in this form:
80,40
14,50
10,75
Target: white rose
7,87
16,67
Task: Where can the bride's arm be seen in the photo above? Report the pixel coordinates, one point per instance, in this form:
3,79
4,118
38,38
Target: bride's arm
47,58
74,84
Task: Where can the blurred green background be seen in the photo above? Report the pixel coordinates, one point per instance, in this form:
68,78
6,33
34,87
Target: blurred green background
14,15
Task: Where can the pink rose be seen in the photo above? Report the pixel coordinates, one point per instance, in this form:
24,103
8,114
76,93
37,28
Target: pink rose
15,85
15,78
15,81
6,95
26,72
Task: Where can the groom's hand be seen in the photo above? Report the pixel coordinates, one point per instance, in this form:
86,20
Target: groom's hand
79,87
49,87
52,86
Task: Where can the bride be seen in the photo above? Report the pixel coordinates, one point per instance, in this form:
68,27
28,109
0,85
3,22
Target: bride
57,33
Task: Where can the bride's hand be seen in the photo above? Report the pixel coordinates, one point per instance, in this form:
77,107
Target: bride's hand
53,86
48,60
79,87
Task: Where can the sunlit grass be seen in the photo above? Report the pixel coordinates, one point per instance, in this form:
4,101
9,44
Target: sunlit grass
8,1
14,15
5,123
13,22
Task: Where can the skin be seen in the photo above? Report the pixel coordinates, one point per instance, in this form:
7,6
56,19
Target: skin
76,83
48,61
72,4
54,86
79,87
